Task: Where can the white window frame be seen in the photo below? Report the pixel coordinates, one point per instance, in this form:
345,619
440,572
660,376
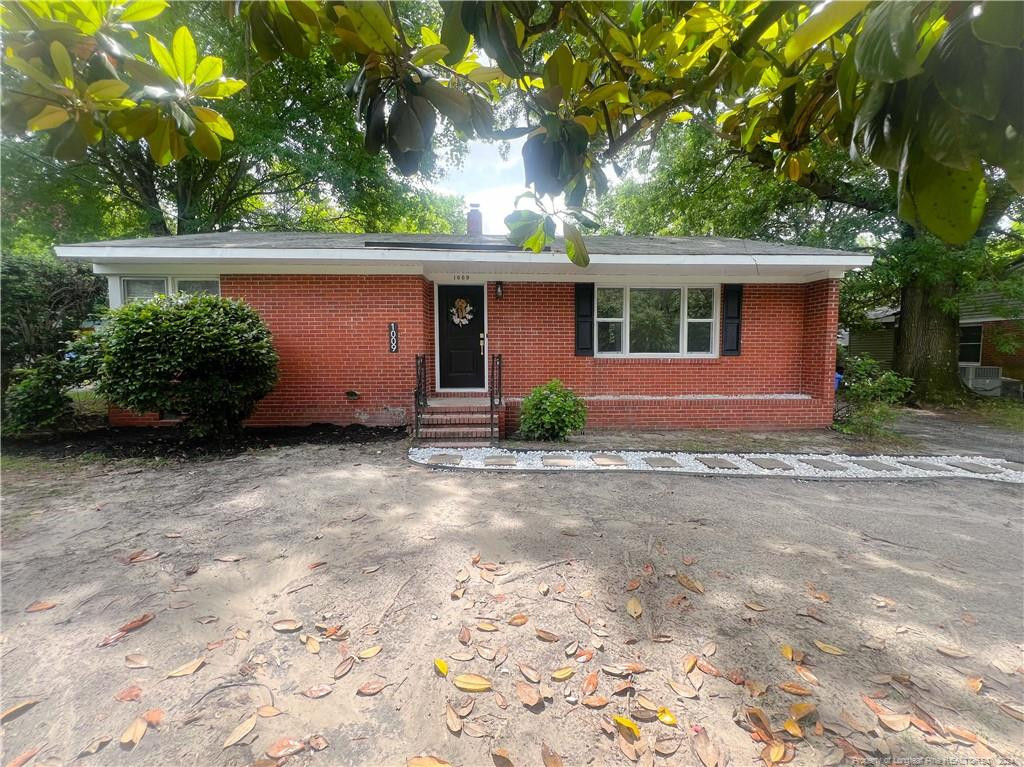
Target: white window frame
170,281
684,353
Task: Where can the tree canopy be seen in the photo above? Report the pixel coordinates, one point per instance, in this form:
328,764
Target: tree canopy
927,91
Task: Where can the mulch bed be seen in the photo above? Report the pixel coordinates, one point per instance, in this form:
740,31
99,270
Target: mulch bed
171,442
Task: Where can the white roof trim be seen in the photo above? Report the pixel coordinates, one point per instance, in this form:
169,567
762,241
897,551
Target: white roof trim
457,260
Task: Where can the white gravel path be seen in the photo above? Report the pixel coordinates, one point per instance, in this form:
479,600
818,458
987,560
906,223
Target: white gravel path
532,460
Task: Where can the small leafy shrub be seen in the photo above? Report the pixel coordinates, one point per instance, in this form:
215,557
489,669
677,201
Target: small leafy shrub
37,400
206,358
83,359
866,397
552,412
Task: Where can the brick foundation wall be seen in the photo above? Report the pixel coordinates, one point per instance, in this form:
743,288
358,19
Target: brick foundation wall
331,333
1012,364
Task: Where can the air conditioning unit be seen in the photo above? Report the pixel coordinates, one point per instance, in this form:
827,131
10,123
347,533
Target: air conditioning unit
982,379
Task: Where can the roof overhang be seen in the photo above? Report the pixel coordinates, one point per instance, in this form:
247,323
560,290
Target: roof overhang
489,264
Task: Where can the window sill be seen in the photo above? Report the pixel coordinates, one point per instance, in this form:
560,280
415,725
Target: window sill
610,356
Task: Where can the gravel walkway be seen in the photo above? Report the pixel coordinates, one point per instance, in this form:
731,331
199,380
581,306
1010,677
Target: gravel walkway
803,465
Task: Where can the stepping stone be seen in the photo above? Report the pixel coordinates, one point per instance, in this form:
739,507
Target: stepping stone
500,460
557,460
661,462
867,463
974,468
452,459
717,463
925,465
603,459
1013,465
821,463
769,463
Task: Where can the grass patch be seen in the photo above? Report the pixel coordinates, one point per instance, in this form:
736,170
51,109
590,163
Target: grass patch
998,411
88,404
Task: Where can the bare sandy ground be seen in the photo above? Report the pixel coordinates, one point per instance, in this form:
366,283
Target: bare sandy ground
894,571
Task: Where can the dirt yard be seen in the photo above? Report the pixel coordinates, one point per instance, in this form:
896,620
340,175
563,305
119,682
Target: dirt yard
905,597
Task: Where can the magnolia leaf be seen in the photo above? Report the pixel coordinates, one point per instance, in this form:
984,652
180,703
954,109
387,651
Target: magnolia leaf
189,668
37,607
560,675
285,747
344,667
369,652
666,717
318,691
549,756
183,51
472,683
829,648
441,666
17,710
794,689
529,672
691,584
95,746
240,731
546,636
268,711
136,730
49,117
527,694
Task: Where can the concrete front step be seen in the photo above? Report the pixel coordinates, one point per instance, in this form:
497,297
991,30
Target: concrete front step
442,409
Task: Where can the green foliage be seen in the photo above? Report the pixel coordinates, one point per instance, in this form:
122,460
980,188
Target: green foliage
37,399
206,358
926,91
552,412
44,302
867,395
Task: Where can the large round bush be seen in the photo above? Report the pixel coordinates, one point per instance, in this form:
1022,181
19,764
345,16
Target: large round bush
552,412
205,358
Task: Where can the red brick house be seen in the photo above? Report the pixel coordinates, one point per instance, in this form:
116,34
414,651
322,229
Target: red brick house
656,333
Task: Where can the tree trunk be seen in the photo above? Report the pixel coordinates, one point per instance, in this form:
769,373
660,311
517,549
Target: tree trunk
927,341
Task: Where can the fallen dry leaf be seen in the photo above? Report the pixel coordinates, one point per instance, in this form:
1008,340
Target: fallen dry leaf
268,711
794,729
975,683
189,668
704,749
317,691
627,724
690,584
243,729
546,636
38,607
831,649
518,619
129,694
344,667
528,695
17,710
472,683
23,758
286,625
426,761
953,652
95,746
285,747
452,719
136,730
318,743
485,626
501,758
127,628
500,701
590,683
799,711
229,558
594,701
806,674
464,636
371,688
634,608
793,688
154,717
369,652
895,722
549,756
440,665
755,606
530,673
474,730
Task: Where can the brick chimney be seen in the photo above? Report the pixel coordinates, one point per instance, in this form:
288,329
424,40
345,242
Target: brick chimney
474,221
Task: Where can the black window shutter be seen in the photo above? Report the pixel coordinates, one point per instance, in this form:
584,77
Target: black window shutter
732,311
584,319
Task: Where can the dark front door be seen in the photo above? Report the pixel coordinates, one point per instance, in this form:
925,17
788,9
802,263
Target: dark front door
460,336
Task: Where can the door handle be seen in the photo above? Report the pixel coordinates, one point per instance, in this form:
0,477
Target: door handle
481,344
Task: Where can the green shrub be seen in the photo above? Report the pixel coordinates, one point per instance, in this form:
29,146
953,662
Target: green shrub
866,397
36,400
552,412
205,358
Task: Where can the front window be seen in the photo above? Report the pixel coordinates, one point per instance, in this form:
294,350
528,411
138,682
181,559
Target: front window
196,287
143,288
656,321
970,345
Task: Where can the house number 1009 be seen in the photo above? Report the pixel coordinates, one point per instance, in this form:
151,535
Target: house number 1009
393,337
461,278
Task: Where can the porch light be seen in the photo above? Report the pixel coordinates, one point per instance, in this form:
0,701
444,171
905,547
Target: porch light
499,289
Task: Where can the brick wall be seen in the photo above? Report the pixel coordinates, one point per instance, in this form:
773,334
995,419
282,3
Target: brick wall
1011,363
787,347
331,333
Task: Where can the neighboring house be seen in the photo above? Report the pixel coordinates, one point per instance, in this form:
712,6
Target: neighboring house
983,329
656,333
